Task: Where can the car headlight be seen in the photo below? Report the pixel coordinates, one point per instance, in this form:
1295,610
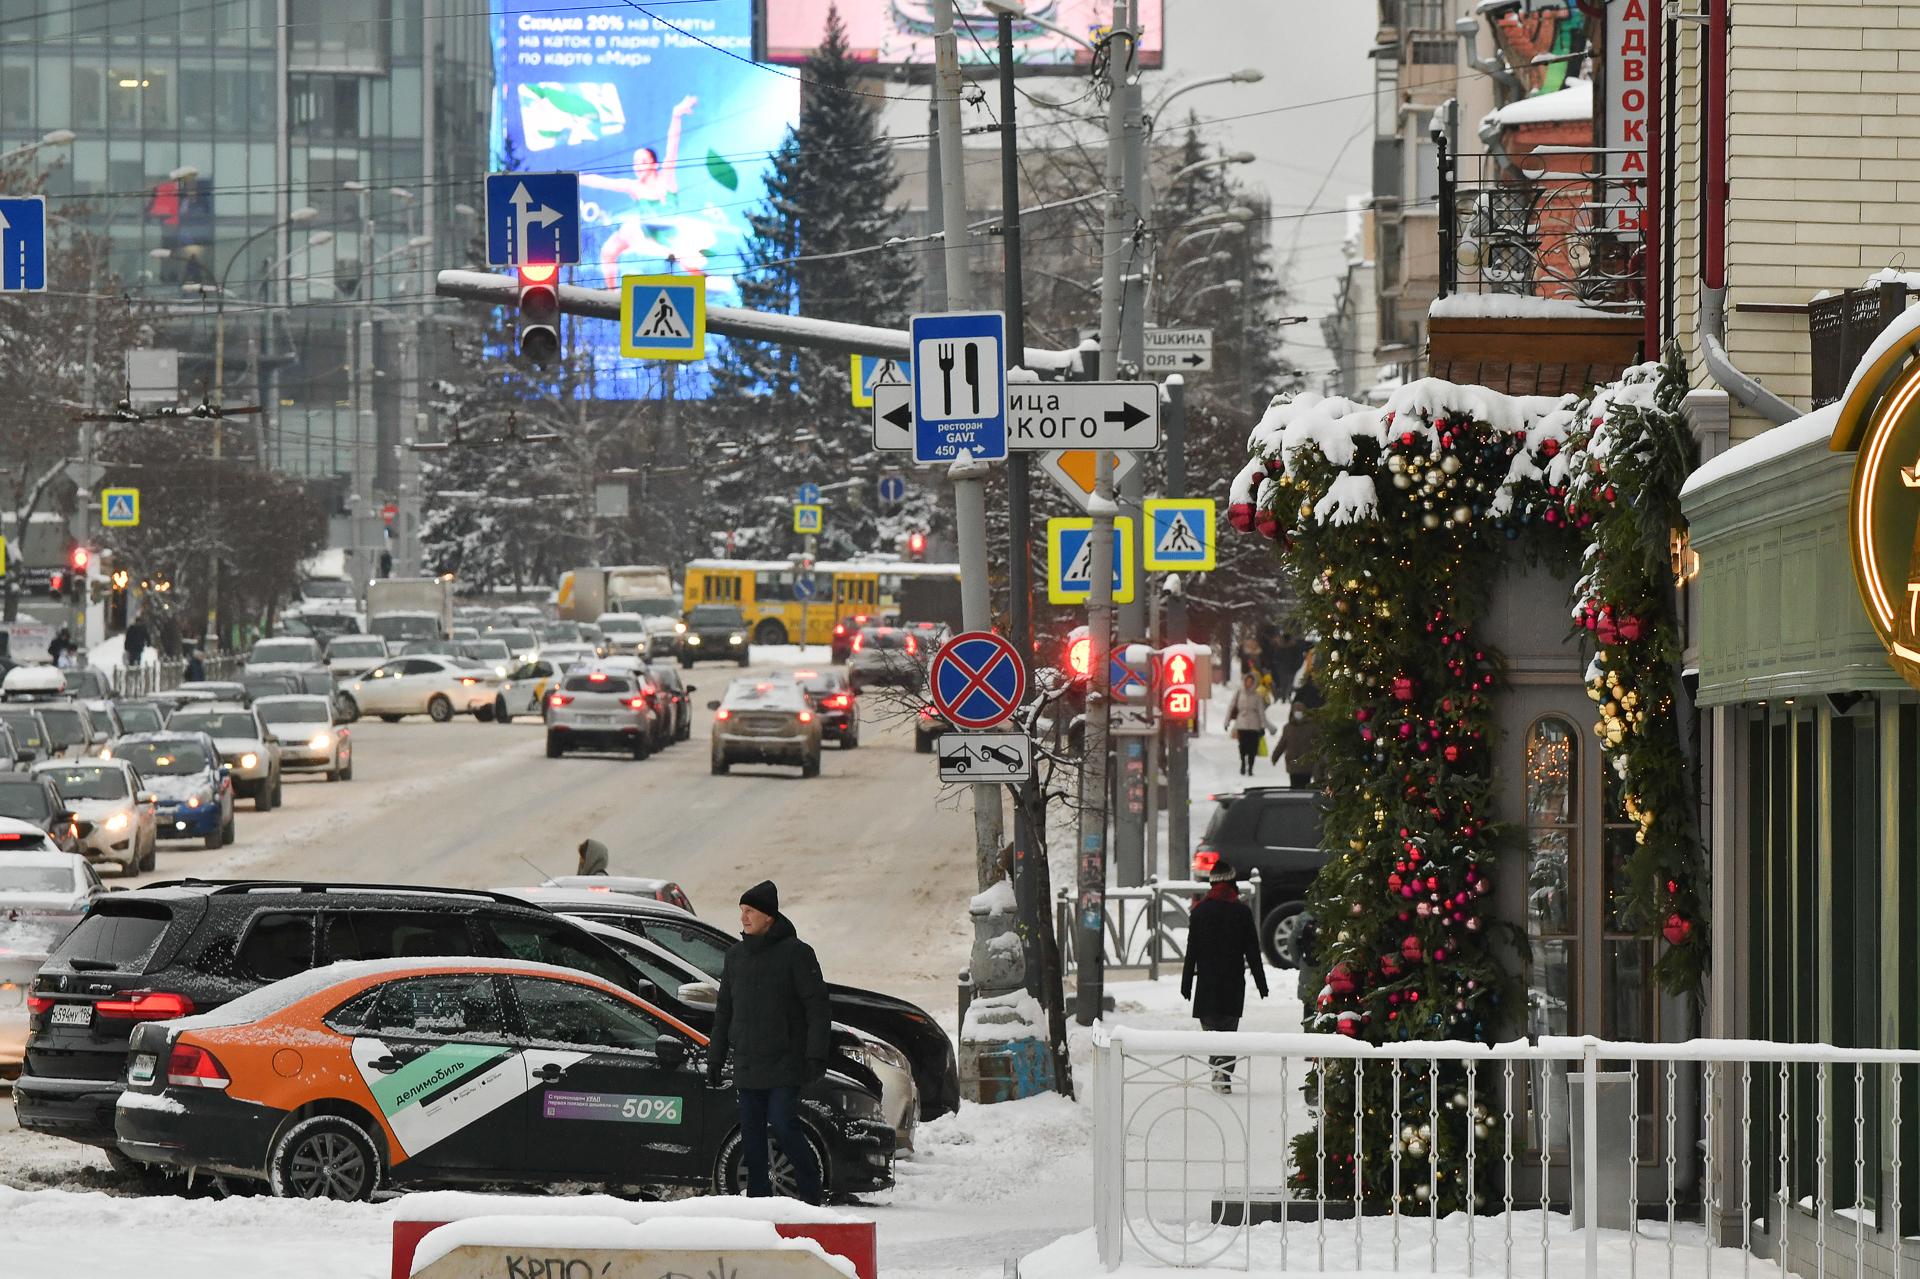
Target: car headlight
679,628
878,1050
853,1104
320,741
249,759
736,639
693,639
500,671
196,799
119,821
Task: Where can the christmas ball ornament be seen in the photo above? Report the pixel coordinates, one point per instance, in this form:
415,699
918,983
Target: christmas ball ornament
1267,524
1678,928
1629,628
1417,1149
1402,688
1240,517
1411,950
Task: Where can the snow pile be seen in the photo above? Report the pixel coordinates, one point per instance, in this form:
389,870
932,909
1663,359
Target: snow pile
688,1234
1815,427
1575,102
1001,1018
996,900
457,1205
1509,306
981,1154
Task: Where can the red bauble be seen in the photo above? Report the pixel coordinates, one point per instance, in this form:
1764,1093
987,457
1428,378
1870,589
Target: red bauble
1267,524
1411,950
1402,688
1453,754
1394,882
1240,517
1340,980
1606,630
1630,628
1677,930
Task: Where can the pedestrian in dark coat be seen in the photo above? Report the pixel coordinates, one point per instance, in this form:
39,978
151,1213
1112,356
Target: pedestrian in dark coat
773,1017
136,642
1222,945
196,669
1298,738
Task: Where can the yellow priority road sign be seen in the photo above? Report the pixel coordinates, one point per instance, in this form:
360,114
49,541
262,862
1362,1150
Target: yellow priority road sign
119,508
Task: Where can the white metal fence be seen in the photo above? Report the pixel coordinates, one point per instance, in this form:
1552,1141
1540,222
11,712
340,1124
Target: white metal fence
155,677
1686,1157
1142,927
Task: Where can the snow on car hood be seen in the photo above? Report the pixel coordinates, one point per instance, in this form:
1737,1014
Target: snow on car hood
92,810
174,789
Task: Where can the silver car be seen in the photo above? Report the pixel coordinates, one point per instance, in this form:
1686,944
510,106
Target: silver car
765,721
312,740
249,749
113,810
599,708
43,894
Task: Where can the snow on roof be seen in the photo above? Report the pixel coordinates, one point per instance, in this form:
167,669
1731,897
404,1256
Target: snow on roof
1575,102
1902,328
1510,306
1777,442
453,1205
690,1234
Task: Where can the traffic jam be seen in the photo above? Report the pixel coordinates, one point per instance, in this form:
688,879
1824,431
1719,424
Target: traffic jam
332,1040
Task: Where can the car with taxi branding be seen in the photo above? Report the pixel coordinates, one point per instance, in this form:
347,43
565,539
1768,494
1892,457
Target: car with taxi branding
115,815
359,1077
765,721
193,788
311,737
599,708
249,749
525,691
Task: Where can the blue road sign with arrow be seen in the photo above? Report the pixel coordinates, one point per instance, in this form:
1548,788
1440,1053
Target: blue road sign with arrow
533,218
23,244
805,587
893,490
809,492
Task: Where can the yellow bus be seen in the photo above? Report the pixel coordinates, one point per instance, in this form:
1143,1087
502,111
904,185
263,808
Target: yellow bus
770,593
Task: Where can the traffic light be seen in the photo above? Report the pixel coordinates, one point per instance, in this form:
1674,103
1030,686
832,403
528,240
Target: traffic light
538,336
77,560
1178,697
916,545
1080,657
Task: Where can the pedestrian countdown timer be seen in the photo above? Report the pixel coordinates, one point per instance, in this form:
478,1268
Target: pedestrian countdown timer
977,680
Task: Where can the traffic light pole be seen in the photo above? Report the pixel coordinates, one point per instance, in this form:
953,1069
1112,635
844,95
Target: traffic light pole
1173,416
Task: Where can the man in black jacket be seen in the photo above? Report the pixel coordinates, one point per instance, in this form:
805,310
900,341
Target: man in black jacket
1222,944
774,1017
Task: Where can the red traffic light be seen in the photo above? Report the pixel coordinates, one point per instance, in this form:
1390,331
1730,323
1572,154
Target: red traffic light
1177,702
916,543
1080,657
79,557
538,272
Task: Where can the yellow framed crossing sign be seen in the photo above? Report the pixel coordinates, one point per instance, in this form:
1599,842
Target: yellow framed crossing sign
1070,560
119,508
1180,535
807,517
663,317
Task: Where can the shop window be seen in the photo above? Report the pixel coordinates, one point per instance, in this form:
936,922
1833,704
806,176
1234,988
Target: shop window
1553,870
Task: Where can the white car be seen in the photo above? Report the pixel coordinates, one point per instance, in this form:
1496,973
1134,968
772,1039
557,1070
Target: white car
43,894
312,740
284,655
522,643
250,750
622,633
526,687
351,655
565,656
113,810
429,684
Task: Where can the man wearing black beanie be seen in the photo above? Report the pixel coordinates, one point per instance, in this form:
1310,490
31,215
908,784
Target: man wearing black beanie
774,1018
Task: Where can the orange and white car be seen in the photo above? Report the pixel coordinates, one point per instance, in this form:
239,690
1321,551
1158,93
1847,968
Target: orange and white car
351,1078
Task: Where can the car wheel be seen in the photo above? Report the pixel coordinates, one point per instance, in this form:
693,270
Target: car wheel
769,632
849,741
1276,933
333,774
325,1157
685,733
730,1173
346,708
484,714
719,766
742,661
216,839
554,749
390,719
263,798
227,832
152,858
346,771
686,663
279,790
810,767
500,713
439,709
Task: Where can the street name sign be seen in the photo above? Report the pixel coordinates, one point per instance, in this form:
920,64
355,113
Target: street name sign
119,508
977,680
533,219
1178,351
23,244
1072,470
869,371
663,317
985,757
807,517
959,386
1070,560
1180,535
1083,415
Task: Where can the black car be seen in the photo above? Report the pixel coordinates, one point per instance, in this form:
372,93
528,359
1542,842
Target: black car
1276,832
31,798
715,633
678,700
834,701
905,1026
186,946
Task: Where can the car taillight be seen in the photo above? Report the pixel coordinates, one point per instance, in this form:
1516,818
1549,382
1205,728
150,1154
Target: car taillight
39,1004
840,701
913,645
840,628
723,713
146,1005
1204,860
857,642
636,702
190,1066
468,680
559,699
806,717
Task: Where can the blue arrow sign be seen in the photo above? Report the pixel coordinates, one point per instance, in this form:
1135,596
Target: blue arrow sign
23,244
805,587
533,218
893,490
809,492
959,386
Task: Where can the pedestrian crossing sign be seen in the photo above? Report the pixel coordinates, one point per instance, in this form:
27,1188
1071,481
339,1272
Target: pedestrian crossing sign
807,517
1070,560
1180,535
119,508
663,317
875,370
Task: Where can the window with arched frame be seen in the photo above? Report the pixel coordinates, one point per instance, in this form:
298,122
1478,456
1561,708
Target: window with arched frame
1554,869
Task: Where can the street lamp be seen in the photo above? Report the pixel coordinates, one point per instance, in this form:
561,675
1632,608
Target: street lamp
1017,10
1246,75
1236,157
51,138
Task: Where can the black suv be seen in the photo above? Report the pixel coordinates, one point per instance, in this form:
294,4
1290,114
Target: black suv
1276,832
183,947
715,633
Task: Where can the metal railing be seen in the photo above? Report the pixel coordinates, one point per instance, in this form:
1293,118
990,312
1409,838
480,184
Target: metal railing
1685,1157
155,677
1567,231
1144,927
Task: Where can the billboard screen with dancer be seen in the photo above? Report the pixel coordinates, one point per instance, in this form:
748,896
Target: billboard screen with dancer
899,33
672,129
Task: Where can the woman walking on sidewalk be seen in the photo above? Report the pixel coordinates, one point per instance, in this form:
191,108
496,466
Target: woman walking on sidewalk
1247,718
1222,946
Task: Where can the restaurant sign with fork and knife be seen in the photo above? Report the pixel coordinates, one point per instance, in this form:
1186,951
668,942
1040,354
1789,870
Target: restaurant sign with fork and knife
959,386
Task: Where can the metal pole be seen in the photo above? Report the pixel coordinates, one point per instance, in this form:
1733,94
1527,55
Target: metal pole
968,476
1092,854
1019,476
1179,838
1133,305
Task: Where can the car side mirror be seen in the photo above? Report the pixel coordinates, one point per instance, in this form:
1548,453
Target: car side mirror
670,1051
713,706
703,995
692,689
146,797
66,817
271,740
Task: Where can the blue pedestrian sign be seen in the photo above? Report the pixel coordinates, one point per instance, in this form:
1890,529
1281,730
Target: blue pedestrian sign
533,218
959,386
805,587
809,492
893,490
23,244
663,317
1070,560
977,680
870,371
1180,535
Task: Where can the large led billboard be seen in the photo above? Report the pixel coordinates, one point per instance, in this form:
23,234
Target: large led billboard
671,127
897,33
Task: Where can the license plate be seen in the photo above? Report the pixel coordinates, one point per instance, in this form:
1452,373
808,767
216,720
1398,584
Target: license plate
72,1014
596,719
141,1072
